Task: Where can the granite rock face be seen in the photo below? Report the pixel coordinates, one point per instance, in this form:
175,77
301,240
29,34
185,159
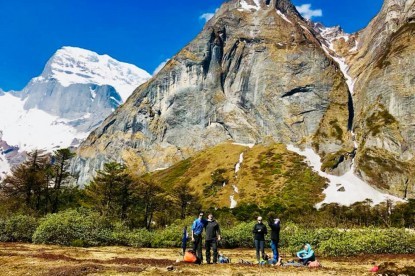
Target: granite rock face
383,67
256,72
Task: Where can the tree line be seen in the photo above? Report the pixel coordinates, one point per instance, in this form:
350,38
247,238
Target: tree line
43,184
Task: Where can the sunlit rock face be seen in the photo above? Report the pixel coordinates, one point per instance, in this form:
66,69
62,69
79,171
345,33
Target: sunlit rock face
256,71
383,66
259,72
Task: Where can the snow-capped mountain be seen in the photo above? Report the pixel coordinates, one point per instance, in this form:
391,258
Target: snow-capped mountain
76,91
72,65
82,87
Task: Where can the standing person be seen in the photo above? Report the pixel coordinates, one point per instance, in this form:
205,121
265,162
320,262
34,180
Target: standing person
197,230
260,230
212,238
185,237
274,224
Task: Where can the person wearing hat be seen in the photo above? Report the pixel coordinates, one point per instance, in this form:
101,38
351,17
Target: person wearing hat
259,231
274,224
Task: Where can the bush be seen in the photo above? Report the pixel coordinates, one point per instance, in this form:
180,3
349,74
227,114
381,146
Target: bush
369,241
140,238
238,236
73,228
18,228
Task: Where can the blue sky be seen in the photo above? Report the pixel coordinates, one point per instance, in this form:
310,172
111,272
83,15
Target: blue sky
144,33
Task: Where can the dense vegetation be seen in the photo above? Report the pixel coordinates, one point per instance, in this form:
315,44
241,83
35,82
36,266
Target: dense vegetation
38,204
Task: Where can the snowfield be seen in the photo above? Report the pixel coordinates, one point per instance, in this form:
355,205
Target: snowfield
72,65
33,129
355,189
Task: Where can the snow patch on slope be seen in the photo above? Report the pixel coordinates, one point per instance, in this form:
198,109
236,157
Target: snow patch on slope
248,7
344,68
283,16
72,65
34,128
244,145
233,202
238,165
355,189
4,165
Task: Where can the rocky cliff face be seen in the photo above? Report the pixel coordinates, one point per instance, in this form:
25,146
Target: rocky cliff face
257,71
382,64
260,72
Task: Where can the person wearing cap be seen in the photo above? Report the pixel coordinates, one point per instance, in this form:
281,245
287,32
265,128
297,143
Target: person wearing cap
259,231
274,224
212,238
197,230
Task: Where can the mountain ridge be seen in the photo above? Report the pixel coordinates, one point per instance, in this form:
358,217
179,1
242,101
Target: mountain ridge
46,114
211,80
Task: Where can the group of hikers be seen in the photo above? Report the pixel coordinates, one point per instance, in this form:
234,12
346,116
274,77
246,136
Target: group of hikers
260,230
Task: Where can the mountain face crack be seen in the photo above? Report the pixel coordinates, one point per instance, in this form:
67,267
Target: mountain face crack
301,89
104,130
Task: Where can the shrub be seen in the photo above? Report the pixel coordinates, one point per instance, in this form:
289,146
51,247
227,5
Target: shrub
74,228
18,228
140,238
238,236
369,241
171,236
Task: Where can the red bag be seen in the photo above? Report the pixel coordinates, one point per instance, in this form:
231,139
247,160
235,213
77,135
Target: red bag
374,269
190,257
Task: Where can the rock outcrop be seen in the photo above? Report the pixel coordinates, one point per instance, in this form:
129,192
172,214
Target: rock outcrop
260,72
383,67
257,71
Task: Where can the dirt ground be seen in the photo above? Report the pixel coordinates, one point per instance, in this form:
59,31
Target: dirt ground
29,259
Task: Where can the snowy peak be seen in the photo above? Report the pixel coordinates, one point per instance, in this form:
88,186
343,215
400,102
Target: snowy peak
72,65
284,6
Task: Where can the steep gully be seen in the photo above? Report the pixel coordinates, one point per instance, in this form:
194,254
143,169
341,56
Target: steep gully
348,188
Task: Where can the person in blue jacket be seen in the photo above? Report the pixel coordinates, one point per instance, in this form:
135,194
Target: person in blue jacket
197,229
185,237
306,255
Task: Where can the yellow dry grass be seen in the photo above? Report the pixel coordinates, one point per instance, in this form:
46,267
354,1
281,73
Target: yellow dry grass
265,172
29,259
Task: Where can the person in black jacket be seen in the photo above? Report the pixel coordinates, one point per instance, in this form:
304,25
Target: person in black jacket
274,224
260,230
212,237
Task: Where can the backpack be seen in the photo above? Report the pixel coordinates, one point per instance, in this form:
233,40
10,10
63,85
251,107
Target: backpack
224,260
190,257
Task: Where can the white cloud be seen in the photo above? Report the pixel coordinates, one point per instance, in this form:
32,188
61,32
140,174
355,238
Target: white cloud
161,65
207,16
306,11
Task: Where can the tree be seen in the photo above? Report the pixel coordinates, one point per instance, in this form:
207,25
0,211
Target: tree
184,196
110,191
60,170
28,182
150,196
